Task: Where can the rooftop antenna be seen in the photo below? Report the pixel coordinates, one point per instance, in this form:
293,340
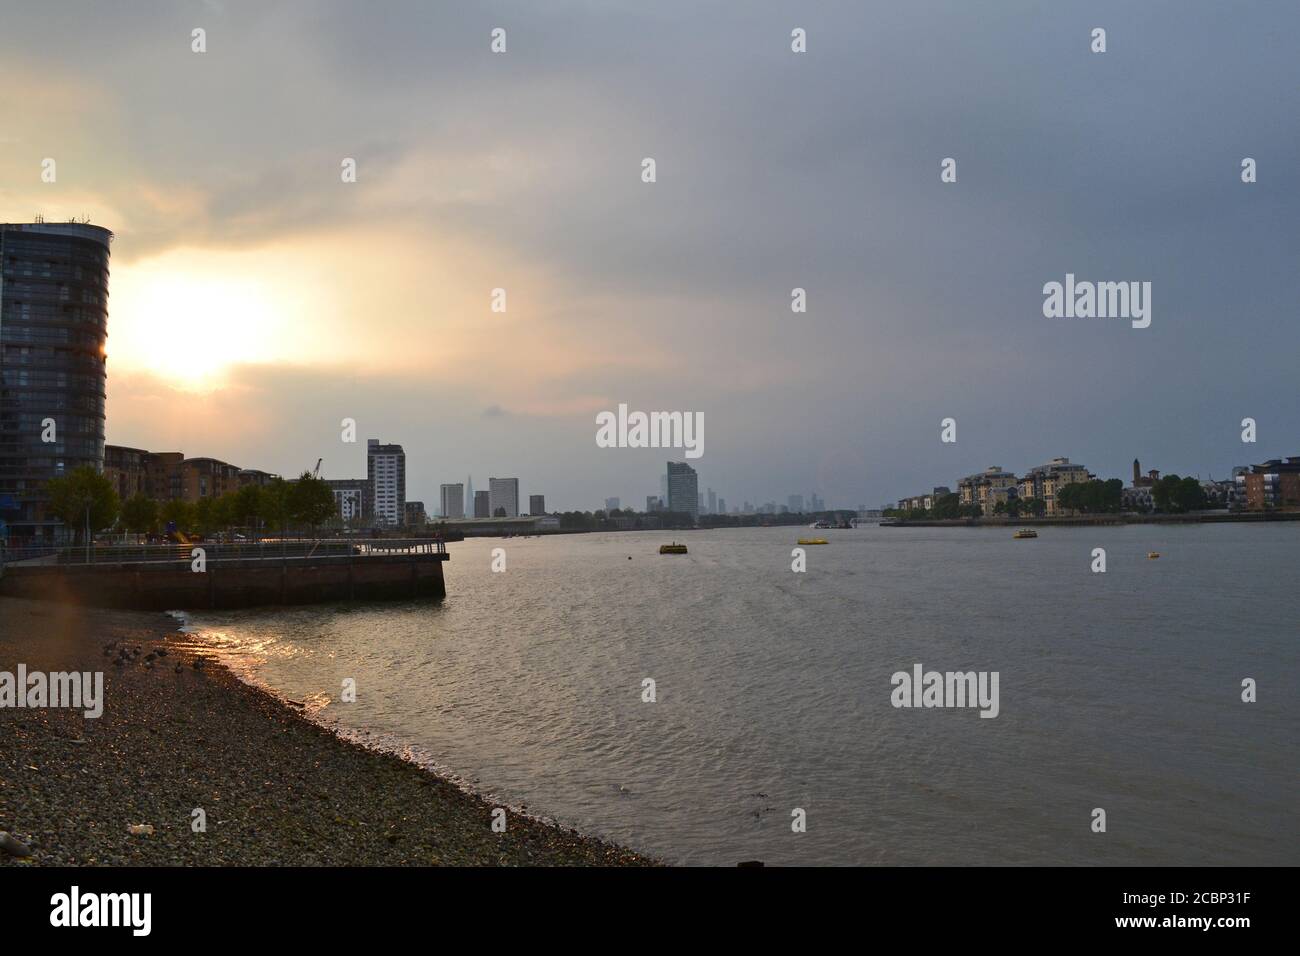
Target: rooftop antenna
39,218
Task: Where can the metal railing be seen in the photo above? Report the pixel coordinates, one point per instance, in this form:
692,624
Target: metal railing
266,549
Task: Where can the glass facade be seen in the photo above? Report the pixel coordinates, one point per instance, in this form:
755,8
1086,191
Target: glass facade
53,329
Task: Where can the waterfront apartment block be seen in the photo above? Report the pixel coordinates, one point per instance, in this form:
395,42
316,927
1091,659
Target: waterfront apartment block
537,504
53,329
1045,481
986,488
452,500
386,470
170,476
127,470
353,497
207,478
503,496
416,517
1273,485
683,489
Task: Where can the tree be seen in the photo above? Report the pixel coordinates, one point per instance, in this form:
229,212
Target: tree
246,508
178,512
499,513
310,501
83,496
273,503
140,514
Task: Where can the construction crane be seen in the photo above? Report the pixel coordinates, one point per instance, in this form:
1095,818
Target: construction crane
316,473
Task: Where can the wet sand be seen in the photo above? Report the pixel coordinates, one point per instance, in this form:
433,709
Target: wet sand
276,788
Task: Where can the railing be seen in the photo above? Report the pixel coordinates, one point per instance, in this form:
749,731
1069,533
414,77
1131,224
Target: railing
275,549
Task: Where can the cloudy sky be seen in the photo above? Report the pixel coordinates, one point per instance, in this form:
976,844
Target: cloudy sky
257,299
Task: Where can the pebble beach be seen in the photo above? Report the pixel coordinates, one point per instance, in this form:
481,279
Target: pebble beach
275,788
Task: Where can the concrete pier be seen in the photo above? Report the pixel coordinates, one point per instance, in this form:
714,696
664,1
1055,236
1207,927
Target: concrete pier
160,585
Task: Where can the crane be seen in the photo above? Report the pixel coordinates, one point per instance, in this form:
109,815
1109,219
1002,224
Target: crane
316,472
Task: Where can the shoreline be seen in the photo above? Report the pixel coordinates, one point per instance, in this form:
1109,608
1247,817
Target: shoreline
277,787
1094,520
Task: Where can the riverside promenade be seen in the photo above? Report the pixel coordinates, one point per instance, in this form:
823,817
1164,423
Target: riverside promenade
228,575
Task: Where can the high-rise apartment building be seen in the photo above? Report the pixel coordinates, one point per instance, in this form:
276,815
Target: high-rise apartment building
452,504
503,496
482,505
386,470
683,489
537,504
53,328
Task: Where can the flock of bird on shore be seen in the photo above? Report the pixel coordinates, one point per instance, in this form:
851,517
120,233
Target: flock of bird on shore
129,654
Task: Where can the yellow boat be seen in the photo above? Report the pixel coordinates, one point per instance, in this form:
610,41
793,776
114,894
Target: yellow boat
1153,554
673,548
1025,533
813,541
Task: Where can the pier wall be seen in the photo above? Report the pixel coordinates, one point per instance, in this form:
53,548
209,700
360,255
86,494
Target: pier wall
169,585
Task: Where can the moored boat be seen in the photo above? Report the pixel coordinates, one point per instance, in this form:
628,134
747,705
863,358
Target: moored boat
1025,533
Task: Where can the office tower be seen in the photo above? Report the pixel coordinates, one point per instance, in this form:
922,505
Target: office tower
53,327
482,507
713,502
503,496
453,501
386,470
653,503
795,504
469,491
537,504
611,504
702,509
683,489
722,506
663,489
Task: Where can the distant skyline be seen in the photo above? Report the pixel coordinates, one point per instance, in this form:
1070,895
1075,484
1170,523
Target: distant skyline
256,300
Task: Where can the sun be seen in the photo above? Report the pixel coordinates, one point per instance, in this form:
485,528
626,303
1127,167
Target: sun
188,317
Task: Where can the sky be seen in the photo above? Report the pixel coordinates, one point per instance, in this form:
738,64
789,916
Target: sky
257,300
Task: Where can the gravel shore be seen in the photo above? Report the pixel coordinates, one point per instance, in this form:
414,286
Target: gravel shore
276,788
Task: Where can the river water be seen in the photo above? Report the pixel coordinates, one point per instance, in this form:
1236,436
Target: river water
1119,690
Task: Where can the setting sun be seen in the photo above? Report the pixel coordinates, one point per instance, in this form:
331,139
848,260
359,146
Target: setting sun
188,317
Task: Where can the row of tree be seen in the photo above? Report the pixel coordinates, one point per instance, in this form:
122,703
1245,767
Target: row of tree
84,498
1094,497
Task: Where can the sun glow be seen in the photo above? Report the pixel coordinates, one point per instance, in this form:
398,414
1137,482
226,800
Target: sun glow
189,317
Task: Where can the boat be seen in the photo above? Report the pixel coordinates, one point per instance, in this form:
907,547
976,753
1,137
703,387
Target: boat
1025,533
813,541
820,525
1153,554
673,548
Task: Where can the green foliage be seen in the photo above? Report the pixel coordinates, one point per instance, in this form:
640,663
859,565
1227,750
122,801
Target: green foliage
80,493
1091,497
310,501
178,512
1175,495
140,514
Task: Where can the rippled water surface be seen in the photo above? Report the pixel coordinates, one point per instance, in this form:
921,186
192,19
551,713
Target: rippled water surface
1118,690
